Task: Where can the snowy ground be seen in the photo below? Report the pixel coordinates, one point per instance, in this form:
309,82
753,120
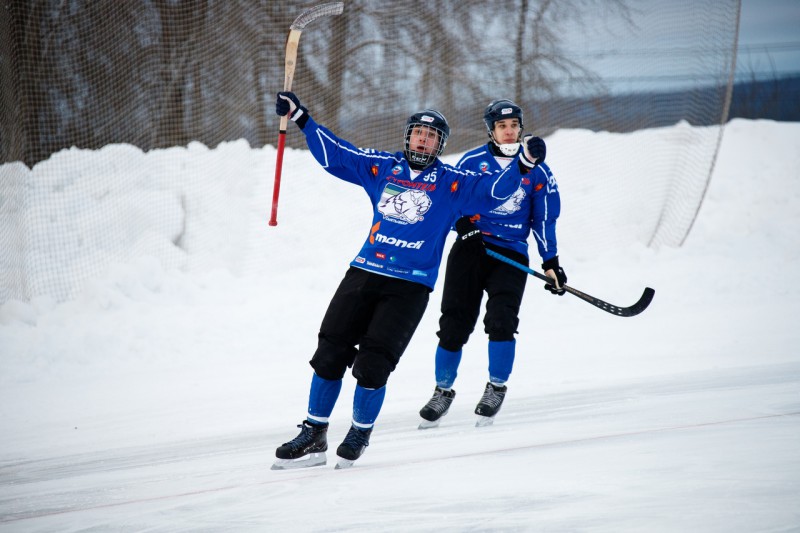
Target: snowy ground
154,400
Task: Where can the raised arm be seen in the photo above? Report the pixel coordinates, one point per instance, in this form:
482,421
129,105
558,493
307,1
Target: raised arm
338,156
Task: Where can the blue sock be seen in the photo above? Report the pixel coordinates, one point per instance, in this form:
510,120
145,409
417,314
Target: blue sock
322,398
501,360
446,367
367,404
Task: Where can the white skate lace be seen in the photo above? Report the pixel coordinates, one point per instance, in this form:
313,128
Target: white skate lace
439,403
491,398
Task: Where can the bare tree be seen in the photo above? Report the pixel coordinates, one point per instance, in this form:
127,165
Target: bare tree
181,26
14,128
172,71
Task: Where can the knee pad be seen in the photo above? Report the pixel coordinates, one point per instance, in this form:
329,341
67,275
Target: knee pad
453,334
331,360
372,370
501,329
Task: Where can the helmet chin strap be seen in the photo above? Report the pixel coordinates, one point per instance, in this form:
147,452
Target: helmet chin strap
508,150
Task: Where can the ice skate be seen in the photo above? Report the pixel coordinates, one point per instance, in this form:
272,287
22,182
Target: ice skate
352,447
436,408
305,450
490,404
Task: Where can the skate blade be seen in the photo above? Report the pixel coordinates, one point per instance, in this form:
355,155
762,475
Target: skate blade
428,424
484,421
343,463
312,459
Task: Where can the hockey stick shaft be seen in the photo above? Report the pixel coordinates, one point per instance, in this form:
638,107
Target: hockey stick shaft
635,309
292,42
289,65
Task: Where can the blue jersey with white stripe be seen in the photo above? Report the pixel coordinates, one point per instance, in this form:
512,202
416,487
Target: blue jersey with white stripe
533,207
412,212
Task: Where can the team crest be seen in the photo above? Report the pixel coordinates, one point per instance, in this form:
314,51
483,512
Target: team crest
406,205
483,166
397,169
512,205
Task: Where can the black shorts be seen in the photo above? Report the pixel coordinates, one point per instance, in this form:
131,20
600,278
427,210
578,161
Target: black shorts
470,273
368,325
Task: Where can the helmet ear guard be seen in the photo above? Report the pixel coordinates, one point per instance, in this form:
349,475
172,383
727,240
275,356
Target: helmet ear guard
433,120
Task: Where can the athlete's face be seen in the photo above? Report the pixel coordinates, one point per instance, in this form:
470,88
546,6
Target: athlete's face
423,139
506,131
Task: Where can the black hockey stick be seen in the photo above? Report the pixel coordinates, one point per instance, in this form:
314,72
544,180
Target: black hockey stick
635,309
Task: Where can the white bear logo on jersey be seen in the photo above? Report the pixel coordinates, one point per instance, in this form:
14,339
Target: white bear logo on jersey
403,204
512,205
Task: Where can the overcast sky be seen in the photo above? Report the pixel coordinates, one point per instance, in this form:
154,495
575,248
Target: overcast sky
685,43
769,31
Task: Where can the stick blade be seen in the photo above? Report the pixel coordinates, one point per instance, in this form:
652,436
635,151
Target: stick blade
635,309
321,10
641,305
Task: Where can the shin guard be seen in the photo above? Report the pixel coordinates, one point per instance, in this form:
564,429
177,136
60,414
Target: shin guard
501,360
446,367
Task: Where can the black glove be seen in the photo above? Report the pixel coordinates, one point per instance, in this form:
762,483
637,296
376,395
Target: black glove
288,104
551,269
534,150
468,231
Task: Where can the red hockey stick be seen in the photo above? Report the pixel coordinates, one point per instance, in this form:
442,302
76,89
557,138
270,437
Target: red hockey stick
333,8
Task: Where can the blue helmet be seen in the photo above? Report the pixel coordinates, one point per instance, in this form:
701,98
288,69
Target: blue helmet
433,120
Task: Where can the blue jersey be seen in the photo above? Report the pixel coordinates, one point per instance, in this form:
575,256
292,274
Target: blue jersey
535,206
411,212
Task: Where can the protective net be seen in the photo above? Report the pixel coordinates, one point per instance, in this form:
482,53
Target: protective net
128,128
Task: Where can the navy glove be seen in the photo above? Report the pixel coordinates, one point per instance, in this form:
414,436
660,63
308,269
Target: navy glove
468,231
552,270
288,104
534,150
